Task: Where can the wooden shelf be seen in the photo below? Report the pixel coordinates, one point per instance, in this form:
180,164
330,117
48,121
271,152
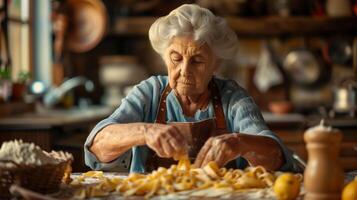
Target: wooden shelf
256,27
293,26
133,26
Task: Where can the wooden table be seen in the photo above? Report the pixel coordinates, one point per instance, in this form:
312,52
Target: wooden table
253,194
250,194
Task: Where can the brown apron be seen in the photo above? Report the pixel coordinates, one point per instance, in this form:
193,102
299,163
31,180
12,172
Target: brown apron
197,133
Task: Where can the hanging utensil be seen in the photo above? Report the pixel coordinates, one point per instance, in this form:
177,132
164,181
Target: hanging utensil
305,68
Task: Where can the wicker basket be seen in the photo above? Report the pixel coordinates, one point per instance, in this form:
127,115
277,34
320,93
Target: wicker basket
44,178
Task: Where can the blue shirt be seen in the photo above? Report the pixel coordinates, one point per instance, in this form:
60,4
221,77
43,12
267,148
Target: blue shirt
140,105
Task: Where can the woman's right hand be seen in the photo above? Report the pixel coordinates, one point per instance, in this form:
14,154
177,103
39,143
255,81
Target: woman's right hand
166,140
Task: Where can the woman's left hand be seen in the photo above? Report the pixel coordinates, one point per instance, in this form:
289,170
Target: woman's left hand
221,149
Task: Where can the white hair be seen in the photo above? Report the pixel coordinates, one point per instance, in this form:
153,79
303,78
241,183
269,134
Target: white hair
201,24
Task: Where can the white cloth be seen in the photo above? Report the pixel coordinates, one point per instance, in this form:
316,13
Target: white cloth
267,73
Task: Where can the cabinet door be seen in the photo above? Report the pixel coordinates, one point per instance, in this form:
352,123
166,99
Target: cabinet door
348,154
41,138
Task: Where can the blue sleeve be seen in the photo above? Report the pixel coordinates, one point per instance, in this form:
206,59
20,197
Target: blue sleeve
138,106
244,116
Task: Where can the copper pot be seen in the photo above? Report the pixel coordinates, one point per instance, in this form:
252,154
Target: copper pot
281,107
87,21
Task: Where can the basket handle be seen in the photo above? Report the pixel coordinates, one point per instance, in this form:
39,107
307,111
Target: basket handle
28,194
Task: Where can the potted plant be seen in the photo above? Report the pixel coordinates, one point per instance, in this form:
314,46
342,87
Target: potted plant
19,87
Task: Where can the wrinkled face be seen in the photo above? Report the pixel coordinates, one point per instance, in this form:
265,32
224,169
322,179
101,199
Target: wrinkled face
190,66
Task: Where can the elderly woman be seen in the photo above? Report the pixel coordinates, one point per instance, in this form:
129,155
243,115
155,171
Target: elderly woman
189,111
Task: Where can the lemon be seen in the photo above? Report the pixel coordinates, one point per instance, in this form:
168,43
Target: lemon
350,191
287,186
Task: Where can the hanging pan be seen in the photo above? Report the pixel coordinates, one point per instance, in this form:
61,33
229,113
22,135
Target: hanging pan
306,68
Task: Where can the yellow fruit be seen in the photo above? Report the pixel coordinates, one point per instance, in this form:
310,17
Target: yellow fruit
287,186
350,191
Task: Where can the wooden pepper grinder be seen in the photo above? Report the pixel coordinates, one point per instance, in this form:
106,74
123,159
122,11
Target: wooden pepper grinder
323,176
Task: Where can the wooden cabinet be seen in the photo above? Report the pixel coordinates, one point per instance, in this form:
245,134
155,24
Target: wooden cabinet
42,138
291,133
348,152
294,140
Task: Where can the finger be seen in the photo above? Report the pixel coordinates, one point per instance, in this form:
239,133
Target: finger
209,157
180,138
175,145
202,154
178,141
175,141
167,148
221,158
157,147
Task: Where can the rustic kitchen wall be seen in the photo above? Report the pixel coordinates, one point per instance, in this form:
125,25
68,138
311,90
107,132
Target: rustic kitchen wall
276,42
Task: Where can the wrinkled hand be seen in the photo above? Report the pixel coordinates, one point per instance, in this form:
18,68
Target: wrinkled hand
221,149
166,140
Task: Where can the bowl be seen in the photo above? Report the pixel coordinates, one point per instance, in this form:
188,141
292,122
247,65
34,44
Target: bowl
280,107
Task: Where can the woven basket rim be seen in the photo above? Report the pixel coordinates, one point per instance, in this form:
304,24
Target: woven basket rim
59,156
32,165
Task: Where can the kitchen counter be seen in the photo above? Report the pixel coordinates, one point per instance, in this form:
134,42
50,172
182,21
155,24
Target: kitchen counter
47,119
50,129
281,118
285,120
334,122
291,127
307,121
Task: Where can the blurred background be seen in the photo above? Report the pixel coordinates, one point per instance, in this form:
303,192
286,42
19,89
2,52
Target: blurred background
66,64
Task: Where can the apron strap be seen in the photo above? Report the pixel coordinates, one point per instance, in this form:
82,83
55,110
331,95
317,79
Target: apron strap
220,120
161,110
221,126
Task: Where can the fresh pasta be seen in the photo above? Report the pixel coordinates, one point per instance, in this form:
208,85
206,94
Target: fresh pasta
177,178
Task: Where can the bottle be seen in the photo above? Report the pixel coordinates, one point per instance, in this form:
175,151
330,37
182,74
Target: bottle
323,176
